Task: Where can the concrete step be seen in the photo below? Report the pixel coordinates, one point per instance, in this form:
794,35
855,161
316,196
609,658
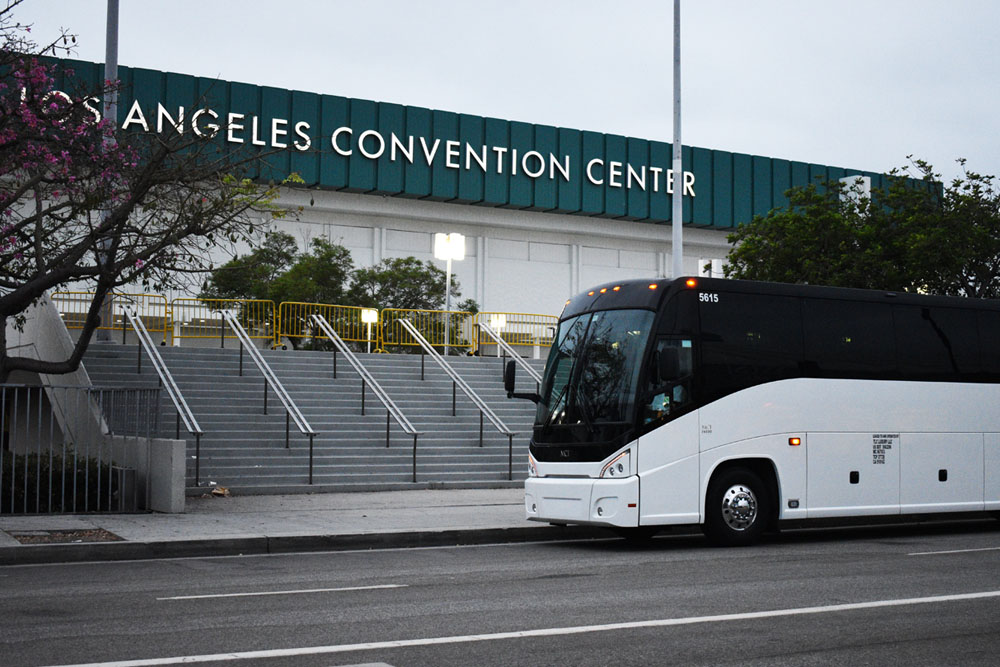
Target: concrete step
244,448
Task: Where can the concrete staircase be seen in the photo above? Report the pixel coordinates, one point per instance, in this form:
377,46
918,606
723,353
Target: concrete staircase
244,449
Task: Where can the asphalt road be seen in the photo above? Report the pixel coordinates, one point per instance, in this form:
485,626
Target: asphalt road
872,596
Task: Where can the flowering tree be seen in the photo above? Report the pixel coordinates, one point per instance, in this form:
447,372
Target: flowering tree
84,204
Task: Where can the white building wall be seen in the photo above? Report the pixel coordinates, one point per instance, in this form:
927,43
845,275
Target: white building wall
516,261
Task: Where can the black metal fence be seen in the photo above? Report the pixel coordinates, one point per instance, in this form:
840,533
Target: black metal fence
74,449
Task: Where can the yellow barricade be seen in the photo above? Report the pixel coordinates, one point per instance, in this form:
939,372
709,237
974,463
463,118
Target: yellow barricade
529,334
199,318
347,321
431,324
151,308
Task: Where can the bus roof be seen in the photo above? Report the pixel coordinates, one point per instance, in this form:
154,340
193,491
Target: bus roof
650,293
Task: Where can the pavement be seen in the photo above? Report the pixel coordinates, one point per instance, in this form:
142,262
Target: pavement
256,524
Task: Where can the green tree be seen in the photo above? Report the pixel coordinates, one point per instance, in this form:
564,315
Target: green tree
913,235
85,204
251,276
403,282
319,276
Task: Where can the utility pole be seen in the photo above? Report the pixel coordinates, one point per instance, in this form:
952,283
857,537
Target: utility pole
110,113
677,198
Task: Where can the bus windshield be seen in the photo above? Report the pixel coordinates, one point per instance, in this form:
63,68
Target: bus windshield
591,375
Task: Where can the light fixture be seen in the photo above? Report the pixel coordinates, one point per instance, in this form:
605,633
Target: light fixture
369,316
448,247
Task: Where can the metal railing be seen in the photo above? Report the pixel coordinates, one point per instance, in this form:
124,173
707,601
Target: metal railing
430,324
392,410
457,381
294,322
292,411
167,381
198,318
151,308
520,330
60,452
509,351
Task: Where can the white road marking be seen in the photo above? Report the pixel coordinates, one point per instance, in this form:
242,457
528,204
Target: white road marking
952,551
293,592
541,632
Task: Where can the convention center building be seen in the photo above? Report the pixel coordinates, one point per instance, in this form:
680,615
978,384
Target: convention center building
545,211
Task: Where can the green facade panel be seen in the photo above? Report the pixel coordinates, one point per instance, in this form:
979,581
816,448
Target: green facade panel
417,175
444,179
546,195
305,163
616,157
570,193
593,195
701,165
474,153
521,141
638,180
497,185
395,150
763,200
333,166
742,187
391,123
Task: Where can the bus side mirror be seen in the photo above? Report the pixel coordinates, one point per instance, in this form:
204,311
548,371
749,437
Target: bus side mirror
668,364
508,378
508,384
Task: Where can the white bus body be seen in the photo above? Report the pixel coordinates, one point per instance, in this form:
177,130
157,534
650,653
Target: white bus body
904,438
792,448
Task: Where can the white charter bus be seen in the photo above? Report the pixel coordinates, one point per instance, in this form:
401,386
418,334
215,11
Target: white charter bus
735,404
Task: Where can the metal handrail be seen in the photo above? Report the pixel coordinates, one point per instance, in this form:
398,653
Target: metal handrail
292,411
392,410
508,350
167,380
469,391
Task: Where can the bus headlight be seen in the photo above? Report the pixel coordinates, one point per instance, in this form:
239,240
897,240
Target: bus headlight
620,466
532,467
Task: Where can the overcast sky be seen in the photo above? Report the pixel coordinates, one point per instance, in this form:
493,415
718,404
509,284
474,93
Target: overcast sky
852,83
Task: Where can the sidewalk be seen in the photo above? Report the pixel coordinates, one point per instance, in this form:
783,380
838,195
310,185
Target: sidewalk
218,526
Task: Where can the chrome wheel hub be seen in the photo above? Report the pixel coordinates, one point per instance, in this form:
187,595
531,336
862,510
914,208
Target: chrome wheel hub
739,507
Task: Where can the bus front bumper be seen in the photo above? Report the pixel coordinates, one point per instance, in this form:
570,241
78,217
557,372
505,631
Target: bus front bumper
598,502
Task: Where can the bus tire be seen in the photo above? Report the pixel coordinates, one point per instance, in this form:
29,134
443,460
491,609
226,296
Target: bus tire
737,508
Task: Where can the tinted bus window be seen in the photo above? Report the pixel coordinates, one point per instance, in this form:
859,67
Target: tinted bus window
680,314
748,339
936,343
848,338
989,341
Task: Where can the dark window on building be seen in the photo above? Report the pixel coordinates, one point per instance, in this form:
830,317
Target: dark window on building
989,341
748,339
936,343
848,338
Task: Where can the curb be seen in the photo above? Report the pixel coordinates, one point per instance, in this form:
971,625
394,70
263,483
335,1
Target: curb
39,554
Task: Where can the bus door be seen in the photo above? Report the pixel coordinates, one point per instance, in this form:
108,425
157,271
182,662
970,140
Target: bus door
668,441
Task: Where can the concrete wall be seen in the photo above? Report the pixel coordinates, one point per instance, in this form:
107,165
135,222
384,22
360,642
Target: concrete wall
44,337
516,261
159,470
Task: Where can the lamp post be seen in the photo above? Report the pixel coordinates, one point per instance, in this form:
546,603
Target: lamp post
497,322
448,247
369,316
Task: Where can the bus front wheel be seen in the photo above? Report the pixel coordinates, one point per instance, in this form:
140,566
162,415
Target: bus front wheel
737,508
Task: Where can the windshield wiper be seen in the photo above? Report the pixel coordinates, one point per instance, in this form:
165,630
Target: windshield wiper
581,406
555,403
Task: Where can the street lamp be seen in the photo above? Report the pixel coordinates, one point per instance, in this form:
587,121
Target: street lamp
498,321
448,247
369,316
